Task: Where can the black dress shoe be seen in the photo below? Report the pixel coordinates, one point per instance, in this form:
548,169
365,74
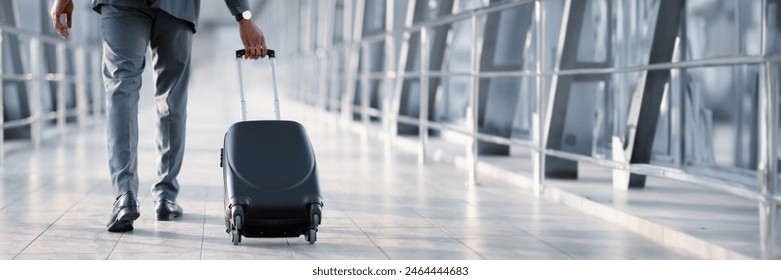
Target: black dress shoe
124,213
167,210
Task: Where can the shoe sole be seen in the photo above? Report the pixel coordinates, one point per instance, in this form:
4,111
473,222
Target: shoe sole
125,220
167,217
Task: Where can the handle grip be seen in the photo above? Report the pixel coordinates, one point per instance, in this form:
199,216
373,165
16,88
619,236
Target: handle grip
271,53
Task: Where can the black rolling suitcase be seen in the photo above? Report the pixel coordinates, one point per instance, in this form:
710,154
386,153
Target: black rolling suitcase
270,175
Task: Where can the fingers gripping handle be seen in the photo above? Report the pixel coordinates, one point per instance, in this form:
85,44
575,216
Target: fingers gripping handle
269,52
272,55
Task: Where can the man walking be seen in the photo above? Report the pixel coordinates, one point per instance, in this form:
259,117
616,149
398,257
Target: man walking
167,27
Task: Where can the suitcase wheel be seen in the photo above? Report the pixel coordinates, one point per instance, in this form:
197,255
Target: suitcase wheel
237,212
235,237
315,220
237,218
311,236
315,211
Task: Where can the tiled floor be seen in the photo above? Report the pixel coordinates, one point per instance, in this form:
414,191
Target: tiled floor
700,220
54,203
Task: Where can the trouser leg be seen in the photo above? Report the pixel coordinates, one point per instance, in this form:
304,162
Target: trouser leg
126,34
171,43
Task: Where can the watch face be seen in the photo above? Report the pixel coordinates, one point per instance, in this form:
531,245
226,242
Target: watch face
246,15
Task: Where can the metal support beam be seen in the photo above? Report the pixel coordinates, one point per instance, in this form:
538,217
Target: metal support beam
352,60
321,46
561,86
97,87
768,144
645,104
371,61
408,104
425,53
62,85
439,45
498,100
36,127
16,99
2,105
538,129
768,165
364,97
472,118
389,82
399,99
82,100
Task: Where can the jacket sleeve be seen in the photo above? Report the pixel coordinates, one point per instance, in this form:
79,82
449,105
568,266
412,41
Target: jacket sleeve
237,6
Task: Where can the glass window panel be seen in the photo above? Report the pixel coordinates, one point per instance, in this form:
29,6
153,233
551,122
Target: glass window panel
594,36
455,100
723,28
513,35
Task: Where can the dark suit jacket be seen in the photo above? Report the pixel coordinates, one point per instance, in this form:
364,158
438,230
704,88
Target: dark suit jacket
187,10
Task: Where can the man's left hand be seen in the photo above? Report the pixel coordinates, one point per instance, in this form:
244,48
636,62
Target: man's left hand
59,8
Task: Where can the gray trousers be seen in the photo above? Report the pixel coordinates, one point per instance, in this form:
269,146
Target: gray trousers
126,34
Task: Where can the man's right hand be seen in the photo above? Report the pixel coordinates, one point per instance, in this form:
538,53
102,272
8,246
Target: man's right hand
62,7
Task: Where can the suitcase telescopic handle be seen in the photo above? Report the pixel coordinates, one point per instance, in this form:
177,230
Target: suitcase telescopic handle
272,57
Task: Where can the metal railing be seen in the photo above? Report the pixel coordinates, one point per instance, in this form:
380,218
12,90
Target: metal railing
395,73
34,76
